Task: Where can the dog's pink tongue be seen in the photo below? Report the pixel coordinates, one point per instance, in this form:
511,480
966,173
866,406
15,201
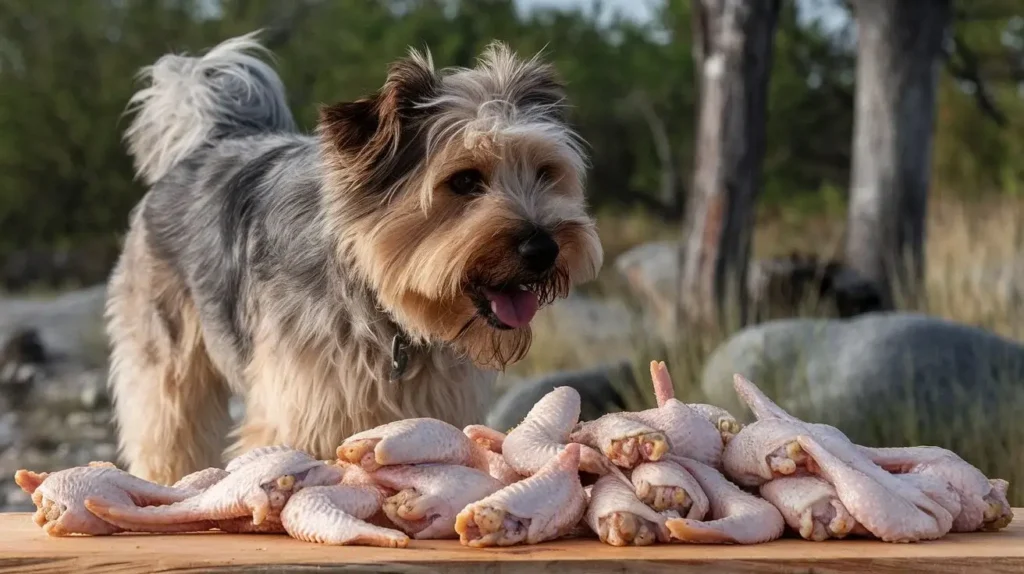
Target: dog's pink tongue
514,308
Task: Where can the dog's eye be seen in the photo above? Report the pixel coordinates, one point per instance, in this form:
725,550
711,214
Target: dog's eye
466,182
546,174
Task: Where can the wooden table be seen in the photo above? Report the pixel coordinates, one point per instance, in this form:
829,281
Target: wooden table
25,548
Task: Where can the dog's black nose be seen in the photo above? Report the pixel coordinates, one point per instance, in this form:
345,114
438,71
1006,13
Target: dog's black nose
539,252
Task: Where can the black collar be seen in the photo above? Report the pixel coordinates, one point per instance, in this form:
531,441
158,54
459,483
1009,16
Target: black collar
399,356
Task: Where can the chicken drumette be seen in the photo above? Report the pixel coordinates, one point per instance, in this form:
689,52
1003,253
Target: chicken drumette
666,485
737,517
429,496
811,507
547,505
412,441
545,432
619,518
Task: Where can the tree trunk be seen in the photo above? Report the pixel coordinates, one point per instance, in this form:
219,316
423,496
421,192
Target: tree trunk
899,51
733,50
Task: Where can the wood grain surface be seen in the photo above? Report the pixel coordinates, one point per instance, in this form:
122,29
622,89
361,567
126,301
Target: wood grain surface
25,548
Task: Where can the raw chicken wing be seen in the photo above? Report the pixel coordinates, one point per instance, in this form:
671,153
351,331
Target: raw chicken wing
336,515
545,506
811,507
258,489
764,450
625,441
545,432
619,518
666,485
412,441
689,433
60,496
200,480
736,516
891,509
429,496
983,501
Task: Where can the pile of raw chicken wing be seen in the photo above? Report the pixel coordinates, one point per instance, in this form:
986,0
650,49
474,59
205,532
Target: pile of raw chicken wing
684,473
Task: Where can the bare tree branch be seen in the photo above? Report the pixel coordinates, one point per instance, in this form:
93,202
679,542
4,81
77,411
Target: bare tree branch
662,147
968,70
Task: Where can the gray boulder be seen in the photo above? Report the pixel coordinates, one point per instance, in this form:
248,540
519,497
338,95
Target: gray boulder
882,373
600,391
69,327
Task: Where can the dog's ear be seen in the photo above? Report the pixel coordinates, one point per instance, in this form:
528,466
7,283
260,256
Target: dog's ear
372,127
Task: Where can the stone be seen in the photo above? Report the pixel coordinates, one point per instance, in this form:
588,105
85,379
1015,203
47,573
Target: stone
599,388
68,328
869,373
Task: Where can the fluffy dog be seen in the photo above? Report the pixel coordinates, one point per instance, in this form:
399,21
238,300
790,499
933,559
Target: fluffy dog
382,268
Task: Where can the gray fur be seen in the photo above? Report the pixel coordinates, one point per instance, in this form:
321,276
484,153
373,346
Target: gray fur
257,263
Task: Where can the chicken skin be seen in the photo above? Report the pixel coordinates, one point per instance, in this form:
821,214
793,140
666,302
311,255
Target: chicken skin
492,441
544,433
249,499
547,505
412,441
337,515
811,507
666,485
619,518
765,450
723,420
60,497
690,434
429,496
624,440
736,517
983,502
890,507
200,480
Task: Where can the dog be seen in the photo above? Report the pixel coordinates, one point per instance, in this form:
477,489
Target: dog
386,266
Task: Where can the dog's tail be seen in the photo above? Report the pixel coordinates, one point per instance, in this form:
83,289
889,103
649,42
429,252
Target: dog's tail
191,102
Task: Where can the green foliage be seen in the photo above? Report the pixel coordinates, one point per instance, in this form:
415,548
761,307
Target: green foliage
67,69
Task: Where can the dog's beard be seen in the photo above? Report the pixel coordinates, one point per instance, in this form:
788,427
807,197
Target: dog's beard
486,339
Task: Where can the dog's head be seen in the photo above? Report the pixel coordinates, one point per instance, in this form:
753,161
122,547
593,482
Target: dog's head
459,195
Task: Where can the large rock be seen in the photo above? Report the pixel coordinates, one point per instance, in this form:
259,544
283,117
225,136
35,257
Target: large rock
876,372
69,327
600,391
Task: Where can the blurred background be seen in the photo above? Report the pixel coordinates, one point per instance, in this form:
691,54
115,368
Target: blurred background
824,195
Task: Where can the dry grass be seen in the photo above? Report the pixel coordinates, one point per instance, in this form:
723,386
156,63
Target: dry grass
970,244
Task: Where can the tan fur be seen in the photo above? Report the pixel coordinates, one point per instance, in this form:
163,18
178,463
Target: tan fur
171,397
405,253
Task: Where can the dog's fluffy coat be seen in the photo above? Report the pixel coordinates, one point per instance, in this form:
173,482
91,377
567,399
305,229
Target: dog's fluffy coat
281,266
